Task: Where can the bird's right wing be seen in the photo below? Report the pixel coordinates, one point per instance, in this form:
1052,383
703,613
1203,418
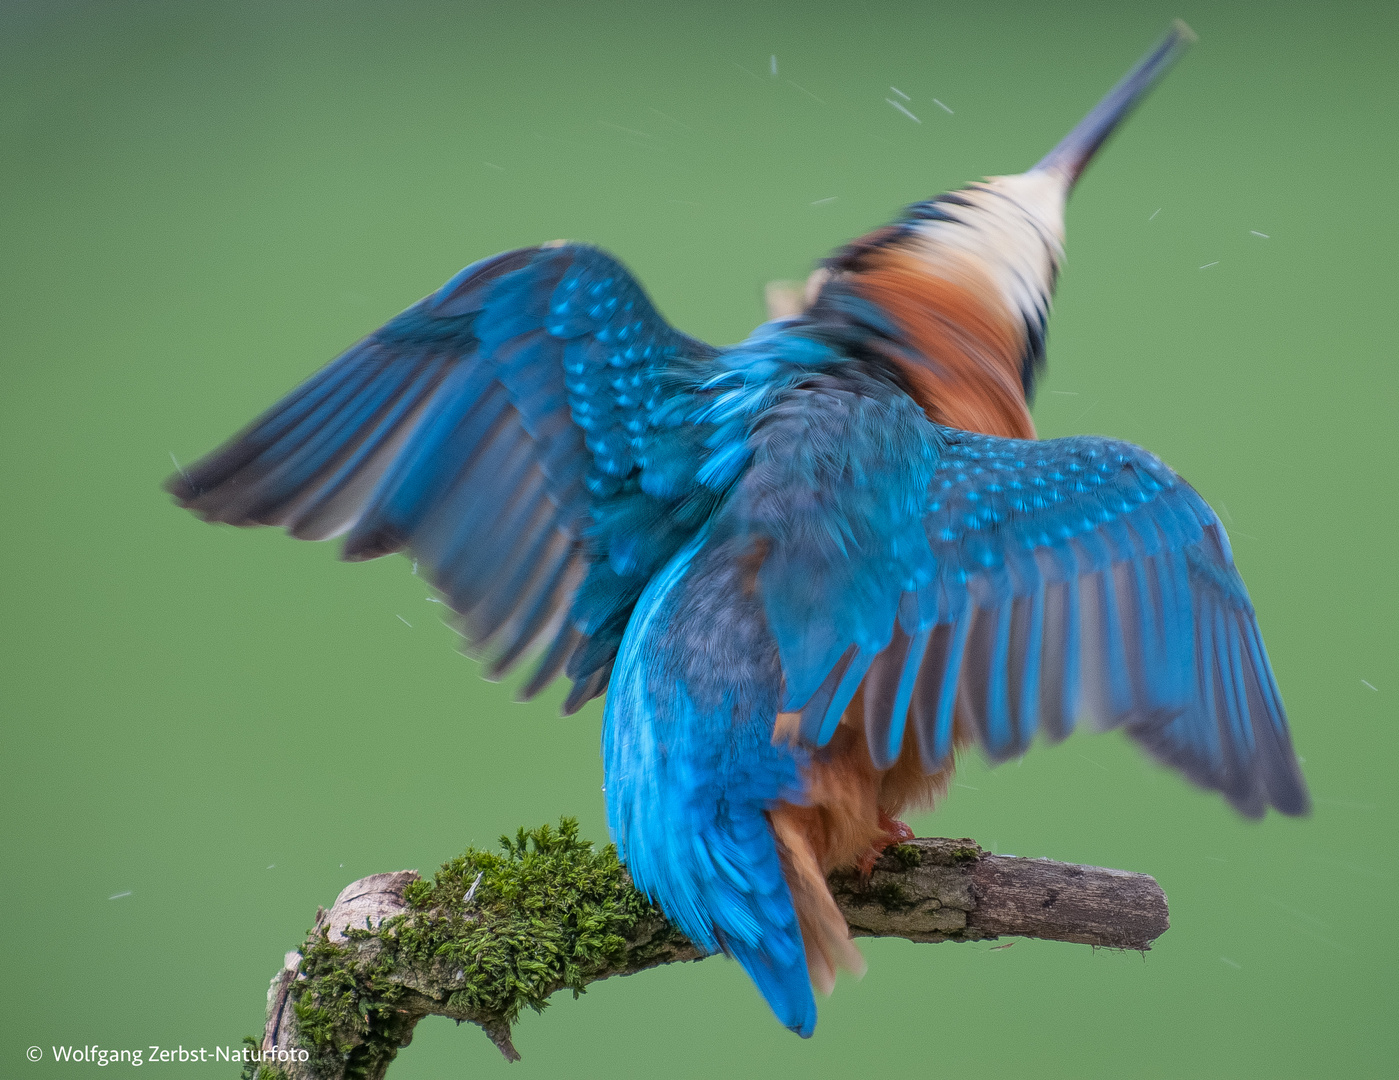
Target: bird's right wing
521,431
974,587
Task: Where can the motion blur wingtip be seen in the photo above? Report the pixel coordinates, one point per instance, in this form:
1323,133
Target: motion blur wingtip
1182,28
1295,800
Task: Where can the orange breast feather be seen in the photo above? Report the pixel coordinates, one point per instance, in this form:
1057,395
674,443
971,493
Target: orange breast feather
964,344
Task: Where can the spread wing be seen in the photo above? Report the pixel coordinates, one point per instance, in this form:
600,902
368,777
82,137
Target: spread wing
520,431
1010,587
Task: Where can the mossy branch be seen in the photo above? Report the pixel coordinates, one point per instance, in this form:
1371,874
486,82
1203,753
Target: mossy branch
496,932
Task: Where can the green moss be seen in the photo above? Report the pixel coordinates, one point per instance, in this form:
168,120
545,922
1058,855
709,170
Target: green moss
906,855
251,1069
889,894
347,1008
548,912
251,1046
543,913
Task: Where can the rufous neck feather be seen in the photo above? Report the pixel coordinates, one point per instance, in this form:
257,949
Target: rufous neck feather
967,278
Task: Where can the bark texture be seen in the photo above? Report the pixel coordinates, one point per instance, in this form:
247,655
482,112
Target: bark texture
926,890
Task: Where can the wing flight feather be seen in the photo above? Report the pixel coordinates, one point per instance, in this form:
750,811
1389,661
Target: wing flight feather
500,429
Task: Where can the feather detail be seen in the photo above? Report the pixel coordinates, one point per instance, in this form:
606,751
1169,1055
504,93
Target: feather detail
825,934
963,356
979,265
515,431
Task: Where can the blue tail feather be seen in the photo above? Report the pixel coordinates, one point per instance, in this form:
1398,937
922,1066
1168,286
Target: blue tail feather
691,771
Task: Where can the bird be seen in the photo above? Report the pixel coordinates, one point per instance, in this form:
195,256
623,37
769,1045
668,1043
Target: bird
806,570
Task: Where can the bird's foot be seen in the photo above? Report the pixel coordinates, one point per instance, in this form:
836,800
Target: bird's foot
893,831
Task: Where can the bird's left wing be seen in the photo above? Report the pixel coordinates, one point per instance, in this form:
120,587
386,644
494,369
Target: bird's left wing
520,430
969,585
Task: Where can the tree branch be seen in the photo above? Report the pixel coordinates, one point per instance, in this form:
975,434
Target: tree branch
492,933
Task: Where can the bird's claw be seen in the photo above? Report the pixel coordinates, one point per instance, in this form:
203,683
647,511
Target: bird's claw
894,832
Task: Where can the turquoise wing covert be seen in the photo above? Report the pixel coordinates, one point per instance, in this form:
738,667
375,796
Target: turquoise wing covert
521,431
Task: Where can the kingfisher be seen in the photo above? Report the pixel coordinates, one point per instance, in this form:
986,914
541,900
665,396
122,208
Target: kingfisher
807,569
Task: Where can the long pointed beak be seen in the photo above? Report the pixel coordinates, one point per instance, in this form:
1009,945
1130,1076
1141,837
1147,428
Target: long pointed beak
1077,148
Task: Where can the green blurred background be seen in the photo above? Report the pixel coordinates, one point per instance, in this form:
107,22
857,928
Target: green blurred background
203,202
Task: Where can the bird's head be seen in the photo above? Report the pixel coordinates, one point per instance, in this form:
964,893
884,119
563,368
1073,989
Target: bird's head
1014,225
967,277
